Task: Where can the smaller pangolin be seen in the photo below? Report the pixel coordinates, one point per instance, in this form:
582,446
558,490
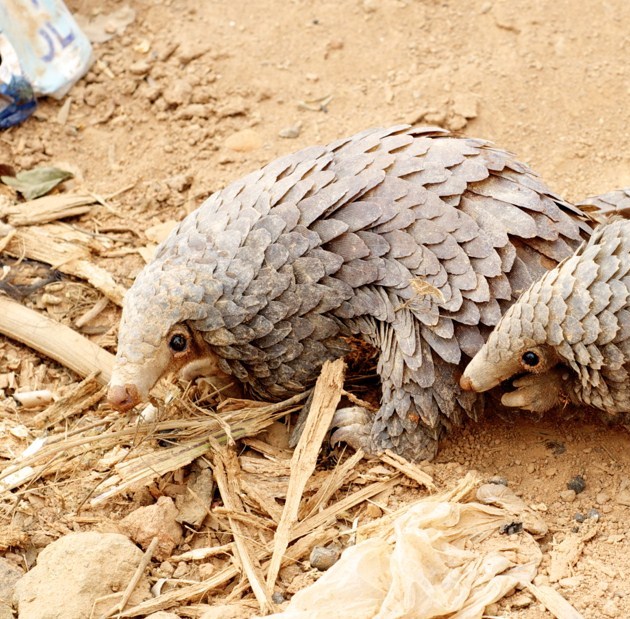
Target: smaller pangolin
567,338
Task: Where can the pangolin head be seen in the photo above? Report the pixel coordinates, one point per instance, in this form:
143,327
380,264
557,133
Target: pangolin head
158,331
519,345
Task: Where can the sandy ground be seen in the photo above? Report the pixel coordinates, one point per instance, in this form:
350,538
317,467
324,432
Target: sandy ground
193,95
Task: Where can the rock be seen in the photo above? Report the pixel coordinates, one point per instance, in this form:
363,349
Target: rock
9,575
623,497
158,520
568,496
244,141
499,480
577,484
75,571
322,558
194,110
521,600
178,93
292,132
194,506
456,122
602,498
465,105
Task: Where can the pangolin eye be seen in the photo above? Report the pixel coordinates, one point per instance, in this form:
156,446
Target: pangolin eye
178,343
530,358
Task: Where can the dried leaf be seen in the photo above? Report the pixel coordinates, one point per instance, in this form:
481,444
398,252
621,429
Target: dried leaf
37,182
423,288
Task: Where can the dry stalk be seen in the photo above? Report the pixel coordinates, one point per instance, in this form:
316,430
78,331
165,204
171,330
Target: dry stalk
54,340
67,257
326,396
226,473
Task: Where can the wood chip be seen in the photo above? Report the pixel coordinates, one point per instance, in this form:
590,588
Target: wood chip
49,208
326,396
410,470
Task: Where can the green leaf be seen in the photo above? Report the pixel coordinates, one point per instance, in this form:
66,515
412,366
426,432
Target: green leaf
37,182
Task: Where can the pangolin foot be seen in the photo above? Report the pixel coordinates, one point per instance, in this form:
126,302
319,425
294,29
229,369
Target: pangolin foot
353,425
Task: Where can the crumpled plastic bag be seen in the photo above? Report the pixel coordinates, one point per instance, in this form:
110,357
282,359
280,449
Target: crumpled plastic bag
441,558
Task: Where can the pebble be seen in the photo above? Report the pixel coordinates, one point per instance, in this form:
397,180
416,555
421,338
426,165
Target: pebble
602,498
277,597
142,67
577,483
579,517
157,520
178,93
568,496
323,558
623,497
531,468
521,600
501,481
291,132
593,513
244,141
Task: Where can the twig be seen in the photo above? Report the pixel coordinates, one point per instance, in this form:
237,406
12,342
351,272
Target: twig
54,340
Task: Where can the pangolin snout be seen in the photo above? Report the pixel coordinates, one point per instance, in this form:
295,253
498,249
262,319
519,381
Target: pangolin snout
123,397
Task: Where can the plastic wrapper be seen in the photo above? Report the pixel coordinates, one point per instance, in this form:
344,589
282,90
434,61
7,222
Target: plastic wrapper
53,51
440,558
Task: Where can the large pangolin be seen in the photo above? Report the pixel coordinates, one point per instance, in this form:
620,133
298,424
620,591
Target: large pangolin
567,338
410,238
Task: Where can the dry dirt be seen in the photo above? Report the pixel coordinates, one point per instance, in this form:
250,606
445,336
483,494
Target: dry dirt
194,95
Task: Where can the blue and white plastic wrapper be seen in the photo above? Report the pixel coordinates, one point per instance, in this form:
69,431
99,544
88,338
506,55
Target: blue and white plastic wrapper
53,52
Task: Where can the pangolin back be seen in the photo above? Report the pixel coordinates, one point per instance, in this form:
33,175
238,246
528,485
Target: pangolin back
415,240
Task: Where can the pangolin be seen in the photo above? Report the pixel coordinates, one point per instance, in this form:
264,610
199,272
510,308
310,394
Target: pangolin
567,338
410,238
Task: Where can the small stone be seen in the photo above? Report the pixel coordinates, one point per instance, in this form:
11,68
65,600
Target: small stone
593,513
157,520
194,110
244,141
602,498
291,132
579,517
623,497
500,481
142,67
568,496
323,558
277,597
577,483
531,468
485,7
373,511
465,105
178,93
521,600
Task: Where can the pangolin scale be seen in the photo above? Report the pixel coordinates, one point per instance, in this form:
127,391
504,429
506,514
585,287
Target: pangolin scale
410,238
